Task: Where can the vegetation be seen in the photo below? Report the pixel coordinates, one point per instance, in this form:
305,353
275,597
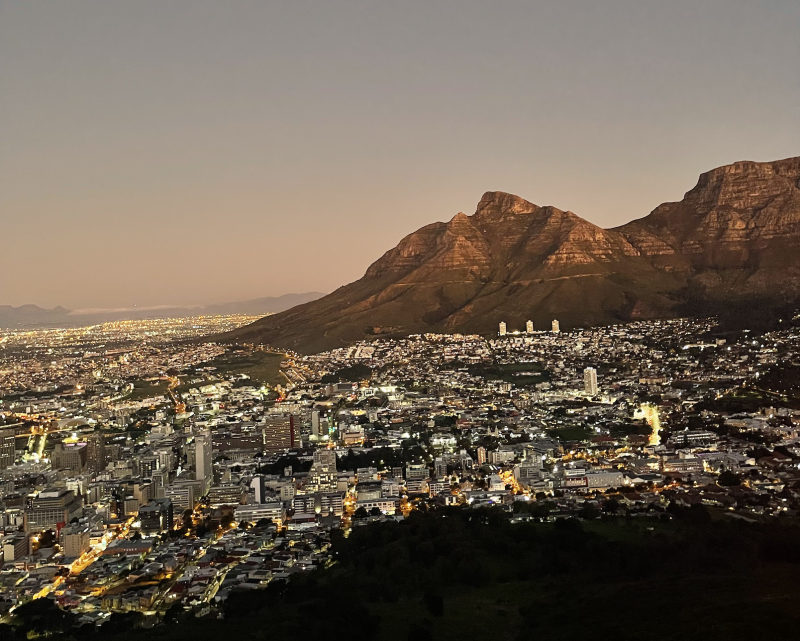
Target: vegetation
461,573
262,367
147,389
519,373
353,374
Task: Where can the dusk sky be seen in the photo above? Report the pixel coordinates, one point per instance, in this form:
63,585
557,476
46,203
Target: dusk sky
191,152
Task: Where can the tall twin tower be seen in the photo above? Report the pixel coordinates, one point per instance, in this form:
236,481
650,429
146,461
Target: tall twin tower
529,328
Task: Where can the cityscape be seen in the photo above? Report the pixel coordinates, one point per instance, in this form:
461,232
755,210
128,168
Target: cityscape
418,321
145,474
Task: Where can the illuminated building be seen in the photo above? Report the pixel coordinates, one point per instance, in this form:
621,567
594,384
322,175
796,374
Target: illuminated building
69,456
590,381
322,475
278,433
156,516
51,509
203,462
96,455
7,447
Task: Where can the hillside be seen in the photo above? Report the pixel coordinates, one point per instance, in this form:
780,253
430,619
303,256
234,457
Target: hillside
446,575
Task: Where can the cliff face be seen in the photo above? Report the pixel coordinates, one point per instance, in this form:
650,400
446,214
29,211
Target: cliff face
736,232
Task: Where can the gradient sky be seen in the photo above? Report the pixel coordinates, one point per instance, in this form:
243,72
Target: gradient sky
190,152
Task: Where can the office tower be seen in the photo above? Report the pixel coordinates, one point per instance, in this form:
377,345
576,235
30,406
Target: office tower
156,517
182,495
481,456
278,433
15,546
51,509
590,381
226,494
417,471
7,447
75,540
555,327
148,465
502,329
529,327
96,455
160,479
322,475
315,423
259,488
203,463
69,456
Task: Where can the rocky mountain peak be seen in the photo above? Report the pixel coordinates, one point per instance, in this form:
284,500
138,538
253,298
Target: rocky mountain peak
497,203
735,234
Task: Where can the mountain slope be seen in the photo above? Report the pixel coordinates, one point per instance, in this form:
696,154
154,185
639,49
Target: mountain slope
736,232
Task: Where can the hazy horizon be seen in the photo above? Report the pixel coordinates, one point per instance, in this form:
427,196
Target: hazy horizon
87,311
195,153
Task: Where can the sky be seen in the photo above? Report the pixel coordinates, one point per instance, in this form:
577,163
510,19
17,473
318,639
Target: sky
193,152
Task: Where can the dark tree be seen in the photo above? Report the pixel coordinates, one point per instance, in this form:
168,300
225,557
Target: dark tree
728,479
434,602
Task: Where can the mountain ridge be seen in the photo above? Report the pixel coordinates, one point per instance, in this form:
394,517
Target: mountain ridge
736,233
31,316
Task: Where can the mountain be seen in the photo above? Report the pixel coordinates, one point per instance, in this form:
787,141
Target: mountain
31,315
734,235
34,316
736,232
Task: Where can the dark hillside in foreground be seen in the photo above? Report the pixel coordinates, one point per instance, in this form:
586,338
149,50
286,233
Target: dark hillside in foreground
472,574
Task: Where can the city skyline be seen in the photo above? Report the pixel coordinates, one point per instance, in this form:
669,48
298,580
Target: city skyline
181,154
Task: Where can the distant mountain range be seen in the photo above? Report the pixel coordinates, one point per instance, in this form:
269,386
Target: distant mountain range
33,316
734,237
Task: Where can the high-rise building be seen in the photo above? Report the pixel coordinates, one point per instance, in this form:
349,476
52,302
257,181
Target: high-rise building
555,327
226,494
182,495
75,540
203,460
315,423
259,489
160,480
7,447
502,331
148,465
96,455
529,327
278,433
322,475
590,381
51,509
156,517
481,456
69,456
